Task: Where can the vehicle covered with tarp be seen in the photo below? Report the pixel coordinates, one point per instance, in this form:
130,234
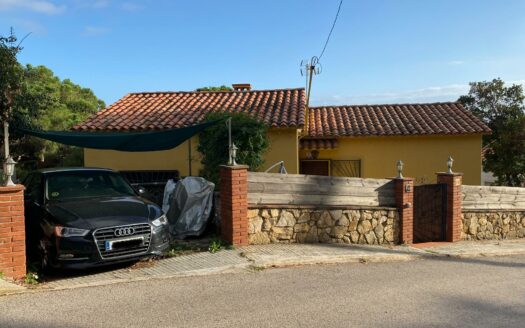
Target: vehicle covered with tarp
188,204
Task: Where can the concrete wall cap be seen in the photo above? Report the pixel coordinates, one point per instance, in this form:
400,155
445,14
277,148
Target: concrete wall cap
17,187
454,174
236,167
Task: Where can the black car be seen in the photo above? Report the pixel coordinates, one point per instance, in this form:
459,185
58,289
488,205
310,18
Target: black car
82,217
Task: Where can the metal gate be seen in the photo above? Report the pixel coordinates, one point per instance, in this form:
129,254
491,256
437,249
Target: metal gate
430,208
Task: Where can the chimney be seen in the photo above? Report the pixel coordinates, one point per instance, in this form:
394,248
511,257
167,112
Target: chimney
242,86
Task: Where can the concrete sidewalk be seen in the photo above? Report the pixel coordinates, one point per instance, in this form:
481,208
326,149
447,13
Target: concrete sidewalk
7,288
250,258
280,255
464,249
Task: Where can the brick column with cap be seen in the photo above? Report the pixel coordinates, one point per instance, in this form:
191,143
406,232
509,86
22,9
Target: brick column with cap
12,232
234,204
404,194
453,215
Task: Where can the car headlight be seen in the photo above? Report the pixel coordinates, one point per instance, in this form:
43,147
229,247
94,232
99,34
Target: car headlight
70,232
160,221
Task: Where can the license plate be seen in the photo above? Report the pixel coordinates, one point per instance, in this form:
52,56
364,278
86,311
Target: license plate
111,245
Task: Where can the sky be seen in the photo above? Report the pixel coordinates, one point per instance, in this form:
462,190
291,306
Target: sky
390,51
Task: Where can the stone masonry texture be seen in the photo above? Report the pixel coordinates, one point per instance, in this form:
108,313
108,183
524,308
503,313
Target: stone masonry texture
304,225
493,225
12,232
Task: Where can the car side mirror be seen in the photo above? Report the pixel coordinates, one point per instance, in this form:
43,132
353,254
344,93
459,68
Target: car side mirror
141,190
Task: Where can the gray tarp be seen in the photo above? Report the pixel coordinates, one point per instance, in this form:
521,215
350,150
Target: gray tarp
190,208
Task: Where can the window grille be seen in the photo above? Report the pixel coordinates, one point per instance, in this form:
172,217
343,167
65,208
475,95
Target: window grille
346,168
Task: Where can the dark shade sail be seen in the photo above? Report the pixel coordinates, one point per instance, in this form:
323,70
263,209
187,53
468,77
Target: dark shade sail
123,141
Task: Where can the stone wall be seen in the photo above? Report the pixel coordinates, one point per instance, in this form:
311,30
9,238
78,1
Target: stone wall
313,225
480,225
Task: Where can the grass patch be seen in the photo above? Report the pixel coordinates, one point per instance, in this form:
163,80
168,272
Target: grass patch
181,248
191,246
31,278
1,275
217,244
256,268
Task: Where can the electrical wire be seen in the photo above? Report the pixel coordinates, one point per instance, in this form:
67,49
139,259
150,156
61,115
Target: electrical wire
331,30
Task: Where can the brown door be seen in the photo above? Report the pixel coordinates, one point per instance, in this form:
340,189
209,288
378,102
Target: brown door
430,207
315,167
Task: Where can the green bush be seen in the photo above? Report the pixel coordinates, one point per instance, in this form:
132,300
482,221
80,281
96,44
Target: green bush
31,278
248,134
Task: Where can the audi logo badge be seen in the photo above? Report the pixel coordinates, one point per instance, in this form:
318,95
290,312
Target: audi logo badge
121,232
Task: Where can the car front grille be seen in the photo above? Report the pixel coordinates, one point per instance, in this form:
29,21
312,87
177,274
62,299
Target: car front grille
103,235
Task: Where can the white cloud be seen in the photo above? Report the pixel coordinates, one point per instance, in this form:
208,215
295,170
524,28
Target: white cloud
100,4
129,6
456,62
95,31
31,26
40,6
92,4
430,94
522,82
449,92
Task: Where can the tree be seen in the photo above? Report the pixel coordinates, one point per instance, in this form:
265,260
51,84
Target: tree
10,74
10,80
219,88
494,104
502,109
248,134
505,156
45,102
34,97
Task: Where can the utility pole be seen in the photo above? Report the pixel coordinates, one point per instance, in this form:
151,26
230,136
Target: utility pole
309,68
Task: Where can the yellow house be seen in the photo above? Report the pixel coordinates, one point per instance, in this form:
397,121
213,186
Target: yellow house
360,141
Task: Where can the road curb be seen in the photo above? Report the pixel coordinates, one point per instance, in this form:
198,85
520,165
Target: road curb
246,259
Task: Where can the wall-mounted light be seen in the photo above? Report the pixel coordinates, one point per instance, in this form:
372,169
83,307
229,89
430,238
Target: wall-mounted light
400,169
408,187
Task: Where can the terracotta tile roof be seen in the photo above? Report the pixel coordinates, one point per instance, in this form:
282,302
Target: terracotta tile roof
164,110
393,120
311,144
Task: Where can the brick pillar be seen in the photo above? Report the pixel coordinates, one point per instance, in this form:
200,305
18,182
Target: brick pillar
12,232
453,219
234,204
404,191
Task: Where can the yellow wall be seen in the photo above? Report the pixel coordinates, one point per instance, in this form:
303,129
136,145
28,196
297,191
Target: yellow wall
422,156
283,146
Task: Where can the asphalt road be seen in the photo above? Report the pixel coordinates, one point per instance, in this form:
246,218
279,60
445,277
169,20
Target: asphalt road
483,292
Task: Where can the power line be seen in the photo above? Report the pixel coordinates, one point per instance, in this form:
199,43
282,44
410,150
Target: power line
331,30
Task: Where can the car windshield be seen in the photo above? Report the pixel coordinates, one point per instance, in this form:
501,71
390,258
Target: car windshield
67,185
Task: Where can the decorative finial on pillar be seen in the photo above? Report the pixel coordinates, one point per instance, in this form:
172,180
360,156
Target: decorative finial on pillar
234,154
450,162
400,169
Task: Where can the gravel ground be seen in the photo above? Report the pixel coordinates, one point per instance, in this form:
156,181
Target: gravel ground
434,292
